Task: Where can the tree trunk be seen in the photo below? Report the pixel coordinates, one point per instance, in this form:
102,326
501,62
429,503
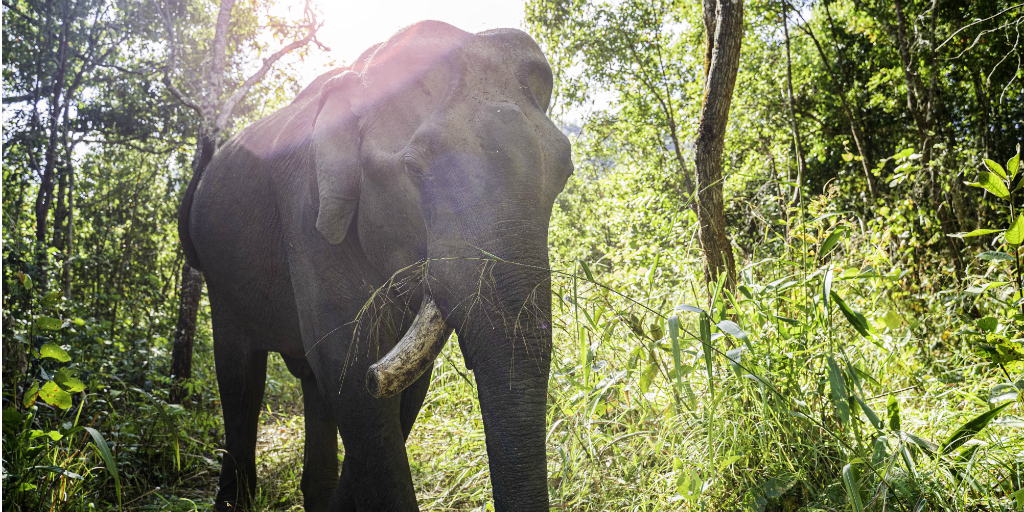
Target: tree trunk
724,38
185,332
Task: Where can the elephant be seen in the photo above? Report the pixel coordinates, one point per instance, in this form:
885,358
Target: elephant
392,202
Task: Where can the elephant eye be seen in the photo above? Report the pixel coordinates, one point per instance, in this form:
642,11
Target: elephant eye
414,168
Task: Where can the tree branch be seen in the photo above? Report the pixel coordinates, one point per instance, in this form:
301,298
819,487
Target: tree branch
230,104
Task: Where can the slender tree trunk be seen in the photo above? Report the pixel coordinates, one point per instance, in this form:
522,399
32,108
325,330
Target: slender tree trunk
724,26
44,200
185,331
794,126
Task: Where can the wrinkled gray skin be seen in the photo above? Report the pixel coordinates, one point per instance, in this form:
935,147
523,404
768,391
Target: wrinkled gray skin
433,147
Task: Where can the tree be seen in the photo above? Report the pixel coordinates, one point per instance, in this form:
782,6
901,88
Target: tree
215,112
723,25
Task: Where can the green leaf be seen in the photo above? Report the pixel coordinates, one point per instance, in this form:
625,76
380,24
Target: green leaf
67,382
729,461
826,289
977,232
54,351
987,324
995,168
995,256
586,271
993,184
831,240
970,429
51,298
30,395
729,327
52,394
1013,165
893,320
647,377
48,323
705,338
904,154
108,459
852,489
673,332
872,417
847,157
838,387
1015,235
856,319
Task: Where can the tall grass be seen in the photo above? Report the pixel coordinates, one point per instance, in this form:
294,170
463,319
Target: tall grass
819,384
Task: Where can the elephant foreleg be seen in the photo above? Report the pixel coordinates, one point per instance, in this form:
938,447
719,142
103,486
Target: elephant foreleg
241,375
412,401
320,465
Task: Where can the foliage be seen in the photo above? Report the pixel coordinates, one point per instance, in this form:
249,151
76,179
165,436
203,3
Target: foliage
868,359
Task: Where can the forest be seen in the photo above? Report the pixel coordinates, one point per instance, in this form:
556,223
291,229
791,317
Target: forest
824,311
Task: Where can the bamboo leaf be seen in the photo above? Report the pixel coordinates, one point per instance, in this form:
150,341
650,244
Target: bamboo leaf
856,319
833,238
852,489
586,271
970,429
108,459
838,387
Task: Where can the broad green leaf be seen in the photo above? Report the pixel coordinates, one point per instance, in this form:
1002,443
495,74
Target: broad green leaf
52,394
1015,235
1019,497
1002,392
847,157
995,168
67,382
48,323
30,395
970,429
831,240
995,256
647,377
852,488
904,154
108,459
689,485
729,461
53,351
51,298
856,319
987,324
893,320
993,184
1014,164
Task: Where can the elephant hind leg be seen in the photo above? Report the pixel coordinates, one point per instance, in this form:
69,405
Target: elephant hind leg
241,376
320,460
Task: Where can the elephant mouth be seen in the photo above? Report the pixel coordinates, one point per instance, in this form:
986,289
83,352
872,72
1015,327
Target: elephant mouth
413,354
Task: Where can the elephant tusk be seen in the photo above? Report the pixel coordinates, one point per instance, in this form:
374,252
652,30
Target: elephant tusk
412,355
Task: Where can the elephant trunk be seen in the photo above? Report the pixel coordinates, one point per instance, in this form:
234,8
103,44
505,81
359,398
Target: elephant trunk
412,355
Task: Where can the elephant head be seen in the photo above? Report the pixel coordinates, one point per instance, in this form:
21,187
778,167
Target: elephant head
435,149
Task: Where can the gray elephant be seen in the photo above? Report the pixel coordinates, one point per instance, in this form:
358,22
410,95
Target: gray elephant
352,231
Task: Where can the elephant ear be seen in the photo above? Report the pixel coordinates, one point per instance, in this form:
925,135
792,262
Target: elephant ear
336,157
